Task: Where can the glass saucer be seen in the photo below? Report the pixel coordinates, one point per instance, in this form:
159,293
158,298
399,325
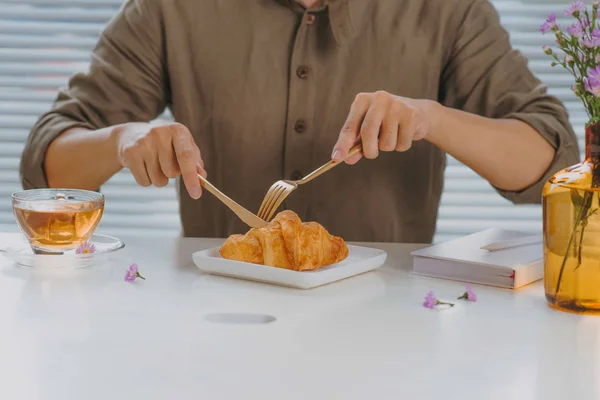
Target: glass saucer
20,252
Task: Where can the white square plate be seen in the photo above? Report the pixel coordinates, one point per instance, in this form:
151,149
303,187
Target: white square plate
359,260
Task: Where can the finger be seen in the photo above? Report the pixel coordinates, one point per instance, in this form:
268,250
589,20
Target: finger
350,130
201,159
354,159
166,157
420,131
138,170
200,170
369,132
389,133
188,158
155,171
406,132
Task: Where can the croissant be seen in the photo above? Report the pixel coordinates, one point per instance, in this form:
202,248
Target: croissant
287,242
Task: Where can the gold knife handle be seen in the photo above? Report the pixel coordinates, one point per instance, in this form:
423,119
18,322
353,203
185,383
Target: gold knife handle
250,219
326,167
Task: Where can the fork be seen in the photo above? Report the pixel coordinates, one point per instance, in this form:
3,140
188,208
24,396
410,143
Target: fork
281,189
249,219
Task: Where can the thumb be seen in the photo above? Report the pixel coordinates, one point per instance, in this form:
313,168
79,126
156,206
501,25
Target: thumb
345,141
351,130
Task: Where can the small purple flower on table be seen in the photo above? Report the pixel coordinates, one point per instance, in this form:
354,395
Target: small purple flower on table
549,24
469,294
133,273
86,248
575,8
431,301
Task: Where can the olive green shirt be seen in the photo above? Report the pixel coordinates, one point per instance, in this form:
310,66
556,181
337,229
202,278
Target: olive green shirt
266,85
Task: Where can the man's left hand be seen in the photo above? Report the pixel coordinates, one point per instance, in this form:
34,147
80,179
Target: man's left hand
382,121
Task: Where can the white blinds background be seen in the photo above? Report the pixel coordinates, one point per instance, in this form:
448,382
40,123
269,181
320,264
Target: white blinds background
42,42
468,202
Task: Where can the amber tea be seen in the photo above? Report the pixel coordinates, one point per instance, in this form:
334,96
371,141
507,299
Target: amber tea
55,221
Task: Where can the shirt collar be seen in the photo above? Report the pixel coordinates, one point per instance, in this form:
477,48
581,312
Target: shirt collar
339,16
341,22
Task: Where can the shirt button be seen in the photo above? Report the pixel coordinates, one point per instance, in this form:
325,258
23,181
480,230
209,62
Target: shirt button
302,72
310,19
300,126
296,175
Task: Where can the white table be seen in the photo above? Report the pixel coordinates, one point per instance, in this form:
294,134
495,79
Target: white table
88,335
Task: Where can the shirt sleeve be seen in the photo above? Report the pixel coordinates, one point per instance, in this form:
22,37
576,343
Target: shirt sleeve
485,76
125,83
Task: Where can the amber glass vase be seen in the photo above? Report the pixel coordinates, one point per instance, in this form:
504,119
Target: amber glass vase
571,208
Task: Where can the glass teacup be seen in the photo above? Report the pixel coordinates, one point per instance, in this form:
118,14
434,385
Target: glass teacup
57,220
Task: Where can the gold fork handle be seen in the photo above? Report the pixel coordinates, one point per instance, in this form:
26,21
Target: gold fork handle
326,167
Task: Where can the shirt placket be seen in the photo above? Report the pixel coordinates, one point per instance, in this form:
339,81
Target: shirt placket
300,131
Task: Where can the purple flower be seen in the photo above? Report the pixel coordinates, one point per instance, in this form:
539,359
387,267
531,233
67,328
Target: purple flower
86,248
547,49
592,84
469,294
591,43
132,273
431,301
574,8
575,30
594,72
594,41
586,22
549,24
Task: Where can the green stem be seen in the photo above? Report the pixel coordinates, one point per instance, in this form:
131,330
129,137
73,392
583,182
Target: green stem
584,223
587,198
580,245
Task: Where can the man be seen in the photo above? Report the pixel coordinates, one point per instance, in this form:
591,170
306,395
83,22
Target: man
266,89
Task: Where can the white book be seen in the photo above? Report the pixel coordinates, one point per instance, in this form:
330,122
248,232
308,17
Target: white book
464,259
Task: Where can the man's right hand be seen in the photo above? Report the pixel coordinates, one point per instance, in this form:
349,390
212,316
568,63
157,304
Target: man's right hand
155,153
